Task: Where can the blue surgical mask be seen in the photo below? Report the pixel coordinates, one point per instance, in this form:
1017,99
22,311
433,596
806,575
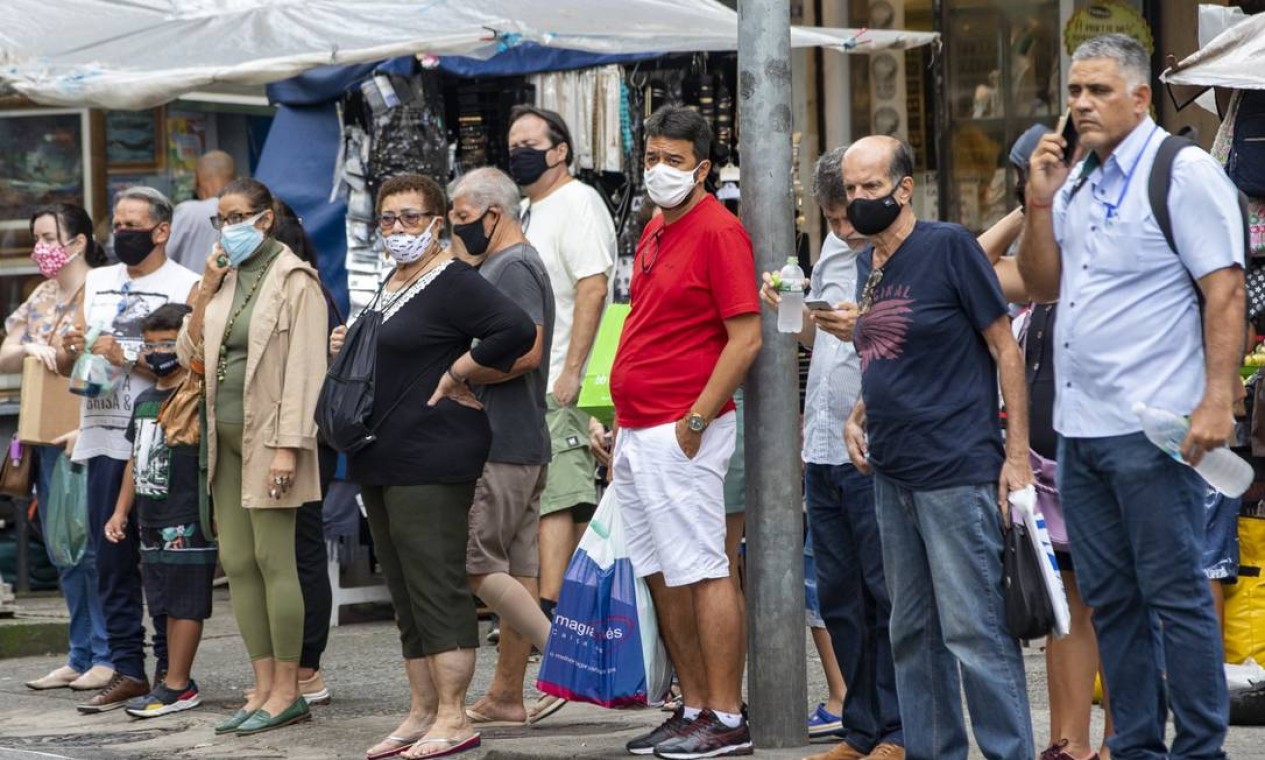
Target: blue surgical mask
239,241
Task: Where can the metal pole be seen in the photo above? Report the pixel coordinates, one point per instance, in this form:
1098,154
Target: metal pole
775,566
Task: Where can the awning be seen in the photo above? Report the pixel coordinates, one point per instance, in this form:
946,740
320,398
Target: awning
142,53
1235,58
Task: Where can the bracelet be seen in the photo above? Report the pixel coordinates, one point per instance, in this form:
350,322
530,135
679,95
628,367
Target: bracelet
454,375
1037,205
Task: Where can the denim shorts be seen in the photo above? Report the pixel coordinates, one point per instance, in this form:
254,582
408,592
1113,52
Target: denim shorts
1221,537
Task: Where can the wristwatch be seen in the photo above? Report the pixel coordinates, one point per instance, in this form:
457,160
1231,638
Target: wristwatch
130,355
696,422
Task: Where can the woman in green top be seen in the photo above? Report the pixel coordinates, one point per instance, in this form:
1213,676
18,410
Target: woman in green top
258,336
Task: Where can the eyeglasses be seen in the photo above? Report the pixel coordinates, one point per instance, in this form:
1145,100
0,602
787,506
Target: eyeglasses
218,221
648,262
150,347
125,292
524,219
410,219
867,293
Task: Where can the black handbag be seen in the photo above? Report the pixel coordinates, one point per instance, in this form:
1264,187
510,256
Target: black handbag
1029,612
345,406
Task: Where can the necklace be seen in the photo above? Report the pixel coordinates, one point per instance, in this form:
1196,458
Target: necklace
221,366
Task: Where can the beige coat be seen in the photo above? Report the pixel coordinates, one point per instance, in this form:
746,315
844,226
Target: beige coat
285,367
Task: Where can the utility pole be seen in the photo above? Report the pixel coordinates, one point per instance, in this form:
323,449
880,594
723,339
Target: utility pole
775,565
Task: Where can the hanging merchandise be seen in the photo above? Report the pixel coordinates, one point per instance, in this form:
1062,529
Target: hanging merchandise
590,101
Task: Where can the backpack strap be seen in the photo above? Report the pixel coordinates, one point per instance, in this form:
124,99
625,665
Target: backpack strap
1159,182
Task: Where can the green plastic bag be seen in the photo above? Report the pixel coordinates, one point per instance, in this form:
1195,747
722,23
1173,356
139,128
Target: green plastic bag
66,513
595,391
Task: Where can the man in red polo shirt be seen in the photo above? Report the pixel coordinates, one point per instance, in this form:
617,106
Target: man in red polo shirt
693,331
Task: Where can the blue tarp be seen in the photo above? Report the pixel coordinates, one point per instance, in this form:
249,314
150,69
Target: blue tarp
298,166
531,58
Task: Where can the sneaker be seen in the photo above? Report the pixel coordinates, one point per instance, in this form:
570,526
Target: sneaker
707,737
494,635
94,680
58,679
669,729
164,701
889,751
116,693
823,723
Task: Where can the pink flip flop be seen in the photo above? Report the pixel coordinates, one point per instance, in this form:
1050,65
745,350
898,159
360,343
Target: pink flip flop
455,746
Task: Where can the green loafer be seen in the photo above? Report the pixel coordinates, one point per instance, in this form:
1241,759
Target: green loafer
231,725
261,721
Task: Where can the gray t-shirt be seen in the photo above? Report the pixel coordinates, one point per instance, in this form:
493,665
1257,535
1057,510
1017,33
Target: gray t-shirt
516,408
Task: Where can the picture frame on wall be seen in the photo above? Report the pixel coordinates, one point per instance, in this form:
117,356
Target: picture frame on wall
135,141
45,157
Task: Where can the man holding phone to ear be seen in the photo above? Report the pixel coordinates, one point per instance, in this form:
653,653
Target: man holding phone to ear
1131,329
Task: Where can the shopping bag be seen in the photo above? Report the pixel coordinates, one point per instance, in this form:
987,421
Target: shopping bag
1023,508
595,390
604,646
1245,600
66,513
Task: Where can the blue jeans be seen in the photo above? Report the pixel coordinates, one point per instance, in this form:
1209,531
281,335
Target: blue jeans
942,554
119,574
1135,518
88,643
852,594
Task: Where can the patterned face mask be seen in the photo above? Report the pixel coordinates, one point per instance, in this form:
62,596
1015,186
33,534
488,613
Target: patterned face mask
51,257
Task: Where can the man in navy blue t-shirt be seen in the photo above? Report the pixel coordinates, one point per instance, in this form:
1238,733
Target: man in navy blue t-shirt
932,330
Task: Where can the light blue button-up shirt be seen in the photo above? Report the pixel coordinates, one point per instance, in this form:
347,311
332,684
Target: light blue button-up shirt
1129,326
834,372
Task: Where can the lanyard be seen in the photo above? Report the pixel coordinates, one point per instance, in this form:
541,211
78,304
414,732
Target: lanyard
1113,207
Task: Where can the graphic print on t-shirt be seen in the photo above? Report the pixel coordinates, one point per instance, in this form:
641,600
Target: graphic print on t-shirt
129,307
152,458
881,333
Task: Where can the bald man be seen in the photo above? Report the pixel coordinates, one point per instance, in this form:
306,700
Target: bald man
192,235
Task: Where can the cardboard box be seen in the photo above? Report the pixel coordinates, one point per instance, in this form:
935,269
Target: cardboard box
48,408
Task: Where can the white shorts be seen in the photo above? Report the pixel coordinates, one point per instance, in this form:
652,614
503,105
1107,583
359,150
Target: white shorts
673,507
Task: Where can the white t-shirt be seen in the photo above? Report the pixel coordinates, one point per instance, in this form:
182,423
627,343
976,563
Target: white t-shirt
111,297
575,236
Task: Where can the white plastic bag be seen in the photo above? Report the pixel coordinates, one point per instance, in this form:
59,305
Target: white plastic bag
1023,507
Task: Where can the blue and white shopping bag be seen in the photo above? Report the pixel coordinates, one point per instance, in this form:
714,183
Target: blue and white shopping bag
604,646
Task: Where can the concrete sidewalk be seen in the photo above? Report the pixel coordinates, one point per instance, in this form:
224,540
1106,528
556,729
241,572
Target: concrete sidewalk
362,667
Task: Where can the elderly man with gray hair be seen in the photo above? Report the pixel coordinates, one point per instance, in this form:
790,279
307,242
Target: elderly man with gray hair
1146,316
502,558
116,300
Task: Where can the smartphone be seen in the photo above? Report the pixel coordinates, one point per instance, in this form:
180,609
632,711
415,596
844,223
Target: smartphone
1067,129
817,305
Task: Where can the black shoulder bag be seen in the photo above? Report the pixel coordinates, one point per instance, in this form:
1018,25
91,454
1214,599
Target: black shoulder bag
1029,613
345,406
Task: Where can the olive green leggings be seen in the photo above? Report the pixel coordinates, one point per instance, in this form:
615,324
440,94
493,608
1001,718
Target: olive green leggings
257,552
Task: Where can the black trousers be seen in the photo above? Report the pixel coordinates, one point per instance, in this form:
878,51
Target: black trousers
313,563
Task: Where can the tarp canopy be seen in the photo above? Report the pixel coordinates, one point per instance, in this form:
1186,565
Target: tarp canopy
131,54
1235,58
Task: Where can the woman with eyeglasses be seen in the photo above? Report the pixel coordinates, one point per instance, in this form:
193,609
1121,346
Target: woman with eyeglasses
64,252
417,478
260,323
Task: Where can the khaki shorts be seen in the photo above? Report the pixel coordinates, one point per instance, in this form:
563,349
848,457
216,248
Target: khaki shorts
505,520
571,472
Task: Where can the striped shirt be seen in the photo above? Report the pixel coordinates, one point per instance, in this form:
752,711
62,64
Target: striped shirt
834,373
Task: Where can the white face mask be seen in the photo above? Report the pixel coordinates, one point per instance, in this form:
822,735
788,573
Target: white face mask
668,187
406,248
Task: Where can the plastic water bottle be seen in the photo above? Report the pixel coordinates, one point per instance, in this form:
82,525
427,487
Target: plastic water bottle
1222,468
790,312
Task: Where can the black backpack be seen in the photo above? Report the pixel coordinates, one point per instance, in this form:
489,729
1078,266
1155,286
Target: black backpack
345,405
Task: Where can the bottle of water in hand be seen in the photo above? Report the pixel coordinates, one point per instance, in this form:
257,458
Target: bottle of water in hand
1222,468
790,289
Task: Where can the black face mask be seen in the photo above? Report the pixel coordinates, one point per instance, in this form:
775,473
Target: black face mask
162,364
871,216
527,165
473,237
133,246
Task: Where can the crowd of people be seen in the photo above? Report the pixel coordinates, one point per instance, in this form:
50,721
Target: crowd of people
477,480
